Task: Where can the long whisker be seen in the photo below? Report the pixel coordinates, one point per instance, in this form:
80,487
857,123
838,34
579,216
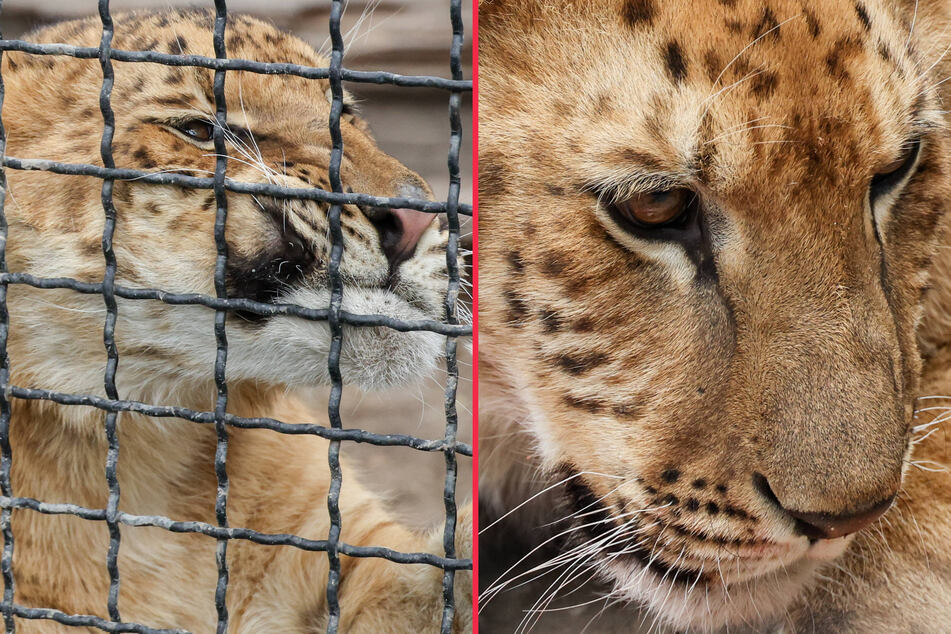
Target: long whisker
546,490
750,45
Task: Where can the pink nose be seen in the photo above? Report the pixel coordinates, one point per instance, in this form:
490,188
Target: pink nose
411,226
400,231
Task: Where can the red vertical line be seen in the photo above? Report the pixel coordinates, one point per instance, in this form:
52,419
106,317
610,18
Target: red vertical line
109,297
475,317
221,315
333,320
6,457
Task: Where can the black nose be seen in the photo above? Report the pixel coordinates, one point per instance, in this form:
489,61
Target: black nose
826,525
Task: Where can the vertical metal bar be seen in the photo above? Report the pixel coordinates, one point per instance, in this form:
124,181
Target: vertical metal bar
221,406
336,329
6,457
108,294
452,297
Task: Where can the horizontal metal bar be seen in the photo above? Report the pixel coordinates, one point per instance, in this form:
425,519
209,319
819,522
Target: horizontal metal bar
86,620
184,413
265,68
247,534
240,187
239,303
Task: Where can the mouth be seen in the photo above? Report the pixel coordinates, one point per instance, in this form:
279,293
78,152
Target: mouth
661,541
678,555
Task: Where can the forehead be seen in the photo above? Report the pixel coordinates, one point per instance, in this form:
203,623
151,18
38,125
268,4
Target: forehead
718,83
190,32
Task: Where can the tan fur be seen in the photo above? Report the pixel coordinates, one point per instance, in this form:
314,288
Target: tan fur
164,239
665,382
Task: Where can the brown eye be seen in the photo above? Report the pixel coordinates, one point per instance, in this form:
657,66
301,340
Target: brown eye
201,131
654,209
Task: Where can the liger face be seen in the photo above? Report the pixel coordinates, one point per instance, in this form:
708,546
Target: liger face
709,235
277,133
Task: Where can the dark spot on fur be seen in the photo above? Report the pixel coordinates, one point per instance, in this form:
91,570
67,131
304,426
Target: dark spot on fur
764,84
864,18
674,58
551,321
835,60
591,405
699,483
712,508
637,12
585,324
554,264
178,45
884,53
175,77
671,499
693,504
491,176
554,190
651,490
92,249
629,155
812,23
175,100
516,263
670,476
767,24
712,64
518,310
721,488
732,511
734,26
579,364
142,156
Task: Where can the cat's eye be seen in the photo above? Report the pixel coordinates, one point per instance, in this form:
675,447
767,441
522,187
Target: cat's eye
893,174
657,209
197,129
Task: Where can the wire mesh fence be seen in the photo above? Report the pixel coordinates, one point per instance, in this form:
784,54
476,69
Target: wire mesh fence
223,305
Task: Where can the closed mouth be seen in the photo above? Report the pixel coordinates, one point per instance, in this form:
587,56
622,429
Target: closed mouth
678,554
683,557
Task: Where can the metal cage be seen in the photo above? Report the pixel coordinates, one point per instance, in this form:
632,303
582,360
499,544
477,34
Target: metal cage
112,405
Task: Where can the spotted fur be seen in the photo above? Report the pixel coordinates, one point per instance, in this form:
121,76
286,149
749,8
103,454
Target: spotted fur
278,252
690,395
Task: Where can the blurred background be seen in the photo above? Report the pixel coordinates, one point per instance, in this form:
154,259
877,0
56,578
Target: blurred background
402,36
